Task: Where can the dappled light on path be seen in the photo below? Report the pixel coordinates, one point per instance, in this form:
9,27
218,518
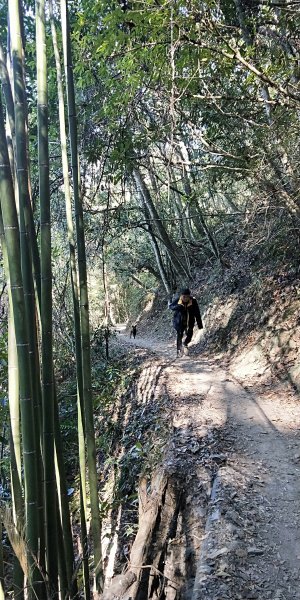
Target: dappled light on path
233,464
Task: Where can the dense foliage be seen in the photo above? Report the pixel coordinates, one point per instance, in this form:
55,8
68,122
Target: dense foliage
203,104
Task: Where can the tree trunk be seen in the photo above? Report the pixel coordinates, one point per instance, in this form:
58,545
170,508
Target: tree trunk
196,213
159,261
154,216
154,244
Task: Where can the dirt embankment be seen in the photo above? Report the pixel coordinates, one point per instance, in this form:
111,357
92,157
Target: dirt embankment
251,320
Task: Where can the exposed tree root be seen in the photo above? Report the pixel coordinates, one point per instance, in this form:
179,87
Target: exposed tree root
158,514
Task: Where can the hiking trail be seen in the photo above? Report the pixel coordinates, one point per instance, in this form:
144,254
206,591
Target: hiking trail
225,520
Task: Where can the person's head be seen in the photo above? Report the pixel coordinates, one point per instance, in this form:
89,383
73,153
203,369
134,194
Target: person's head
185,295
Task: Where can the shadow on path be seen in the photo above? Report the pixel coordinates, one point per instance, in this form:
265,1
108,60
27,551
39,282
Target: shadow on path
235,458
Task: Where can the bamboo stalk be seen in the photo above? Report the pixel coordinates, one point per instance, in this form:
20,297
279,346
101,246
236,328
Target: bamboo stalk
75,296
14,413
63,516
15,446
11,232
84,305
50,491
28,242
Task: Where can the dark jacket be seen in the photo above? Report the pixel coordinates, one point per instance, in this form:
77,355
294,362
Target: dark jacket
185,314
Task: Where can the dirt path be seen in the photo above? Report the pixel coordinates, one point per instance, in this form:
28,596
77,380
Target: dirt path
235,454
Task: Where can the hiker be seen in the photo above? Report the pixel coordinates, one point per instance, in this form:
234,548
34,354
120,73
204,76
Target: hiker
186,312
133,331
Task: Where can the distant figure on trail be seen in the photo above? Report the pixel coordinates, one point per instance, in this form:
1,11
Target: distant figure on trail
133,331
186,312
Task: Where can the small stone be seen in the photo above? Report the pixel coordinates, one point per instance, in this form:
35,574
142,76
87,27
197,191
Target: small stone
216,515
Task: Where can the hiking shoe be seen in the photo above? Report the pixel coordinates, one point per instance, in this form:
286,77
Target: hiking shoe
186,350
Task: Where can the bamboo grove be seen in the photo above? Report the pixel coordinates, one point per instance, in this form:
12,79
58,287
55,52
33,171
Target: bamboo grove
38,523
155,137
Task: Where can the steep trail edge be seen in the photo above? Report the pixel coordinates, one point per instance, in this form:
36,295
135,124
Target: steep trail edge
221,518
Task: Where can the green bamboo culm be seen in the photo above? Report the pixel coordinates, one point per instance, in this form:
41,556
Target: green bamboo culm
5,260
17,117
63,513
15,448
7,92
14,413
23,167
75,296
20,127
12,241
28,242
84,305
50,491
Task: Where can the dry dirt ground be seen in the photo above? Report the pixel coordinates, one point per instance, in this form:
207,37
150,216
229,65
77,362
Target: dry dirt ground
234,459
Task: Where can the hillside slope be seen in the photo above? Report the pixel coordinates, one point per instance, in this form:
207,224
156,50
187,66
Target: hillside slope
251,319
